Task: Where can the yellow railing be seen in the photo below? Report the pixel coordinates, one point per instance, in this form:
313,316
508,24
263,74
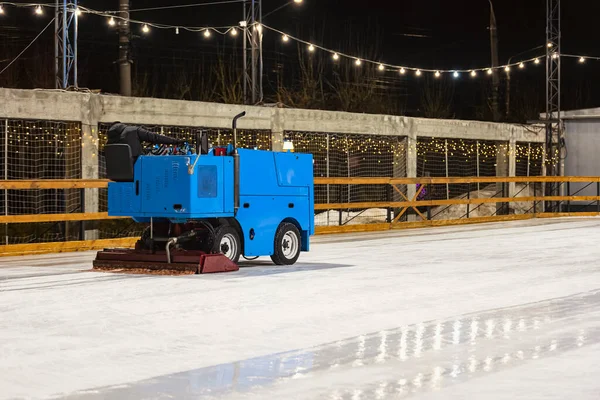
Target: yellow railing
401,206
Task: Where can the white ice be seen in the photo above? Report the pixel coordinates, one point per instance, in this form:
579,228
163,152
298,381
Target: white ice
500,311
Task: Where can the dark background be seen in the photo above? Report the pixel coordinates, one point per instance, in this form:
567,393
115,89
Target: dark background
427,34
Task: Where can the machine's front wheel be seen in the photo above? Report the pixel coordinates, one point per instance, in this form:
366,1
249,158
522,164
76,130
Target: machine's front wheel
227,241
287,245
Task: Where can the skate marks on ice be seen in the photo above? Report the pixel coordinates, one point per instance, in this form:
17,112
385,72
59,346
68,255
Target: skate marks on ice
393,363
250,269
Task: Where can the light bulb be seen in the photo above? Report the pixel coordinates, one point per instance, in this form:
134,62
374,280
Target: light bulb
234,32
311,48
473,74
582,60
381,67
437,74
456,74
357,62
285,38
418,73
507,68
402,71
489,71
537,61
145,28
298,1
336,56
111,21
555,55
550,45
206,33
522,65
1,9
177,30
38,10
78,12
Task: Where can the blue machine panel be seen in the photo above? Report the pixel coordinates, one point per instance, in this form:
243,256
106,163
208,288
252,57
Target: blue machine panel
291,169
207,181
163,188
122,199
170,191
274,187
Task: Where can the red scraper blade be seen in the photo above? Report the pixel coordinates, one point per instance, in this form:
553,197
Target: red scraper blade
213,263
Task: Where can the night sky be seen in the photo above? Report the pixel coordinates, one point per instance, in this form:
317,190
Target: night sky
428,34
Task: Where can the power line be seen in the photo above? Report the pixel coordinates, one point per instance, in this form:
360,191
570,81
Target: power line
28,46
185,5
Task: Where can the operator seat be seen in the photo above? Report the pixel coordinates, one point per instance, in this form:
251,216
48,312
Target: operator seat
119,162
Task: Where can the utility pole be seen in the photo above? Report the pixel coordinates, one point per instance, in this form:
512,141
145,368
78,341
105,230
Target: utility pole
124,59
253,73
554,139
65,43
244,25
495,78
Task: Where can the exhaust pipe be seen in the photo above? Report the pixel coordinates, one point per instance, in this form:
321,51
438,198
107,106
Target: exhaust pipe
240,115
236,165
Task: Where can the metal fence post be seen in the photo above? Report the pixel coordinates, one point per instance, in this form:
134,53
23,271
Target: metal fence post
468,204
389,199
340,201
428,197
534,200
568,195
328,188
6,176
82,223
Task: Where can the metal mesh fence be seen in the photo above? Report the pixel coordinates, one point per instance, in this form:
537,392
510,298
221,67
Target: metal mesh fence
40,150
253,139
529,159
469,158
52,150
350,155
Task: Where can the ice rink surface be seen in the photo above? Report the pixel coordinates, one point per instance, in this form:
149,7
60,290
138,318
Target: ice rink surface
501,311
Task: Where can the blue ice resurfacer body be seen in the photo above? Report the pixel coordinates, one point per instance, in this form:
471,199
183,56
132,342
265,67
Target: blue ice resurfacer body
237,202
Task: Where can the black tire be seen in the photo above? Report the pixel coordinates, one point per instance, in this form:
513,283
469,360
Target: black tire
227,237
288,244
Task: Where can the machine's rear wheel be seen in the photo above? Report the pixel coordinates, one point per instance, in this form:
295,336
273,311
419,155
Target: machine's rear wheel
287,245
227,241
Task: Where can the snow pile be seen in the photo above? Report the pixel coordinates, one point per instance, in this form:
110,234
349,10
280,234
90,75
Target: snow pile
458,211
368,216
487,209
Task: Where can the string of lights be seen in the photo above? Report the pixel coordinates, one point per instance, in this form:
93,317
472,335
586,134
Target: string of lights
311,47
419,71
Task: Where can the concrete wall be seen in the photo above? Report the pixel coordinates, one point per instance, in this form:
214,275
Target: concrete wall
91,109
582,135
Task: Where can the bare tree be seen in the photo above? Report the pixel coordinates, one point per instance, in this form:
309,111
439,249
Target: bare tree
528,104
308,88
228,81
436,98
142,87
181,83
40,72
9,78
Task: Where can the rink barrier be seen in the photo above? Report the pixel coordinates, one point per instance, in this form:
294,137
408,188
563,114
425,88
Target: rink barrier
404,206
